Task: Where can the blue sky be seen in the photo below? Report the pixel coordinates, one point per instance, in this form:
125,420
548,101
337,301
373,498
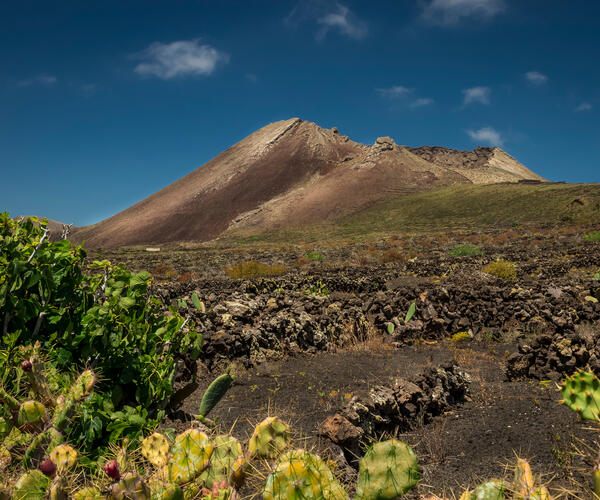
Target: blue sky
104,103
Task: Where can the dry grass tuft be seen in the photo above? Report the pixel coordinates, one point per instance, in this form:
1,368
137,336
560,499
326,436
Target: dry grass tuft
254,269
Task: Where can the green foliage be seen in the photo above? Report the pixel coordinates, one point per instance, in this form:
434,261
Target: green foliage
411,312
592,236
106,319
597,275
501,269
581,393
387,470
316,256
465,250
254,269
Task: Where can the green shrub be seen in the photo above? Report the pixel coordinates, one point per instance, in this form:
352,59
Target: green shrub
592,236
105,320
501,269
253,269
315,256
465,250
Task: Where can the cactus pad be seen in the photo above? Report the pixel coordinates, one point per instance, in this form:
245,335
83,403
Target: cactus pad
540,493
492,490
130,487
215,392
31,486
159,490
226,450
88,494
155,449
30,413
269,438
523,483
190,455
302,475
83,385
64,456
5,458
581,392
388,469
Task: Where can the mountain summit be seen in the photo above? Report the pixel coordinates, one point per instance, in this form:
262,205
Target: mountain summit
291,173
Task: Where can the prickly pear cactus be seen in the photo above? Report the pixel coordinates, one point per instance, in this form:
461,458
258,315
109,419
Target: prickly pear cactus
155,449
226,450
269,438
388,469
492,490
215,392
64,456
302,475
80,389
31,486
130,487
30,414
159,490
523,484
540,493
190,455
88,494
581,392
238,472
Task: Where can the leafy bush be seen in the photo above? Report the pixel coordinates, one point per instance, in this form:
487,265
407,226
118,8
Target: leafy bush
253,269
465,250
502,269
592,236
315,256
105,320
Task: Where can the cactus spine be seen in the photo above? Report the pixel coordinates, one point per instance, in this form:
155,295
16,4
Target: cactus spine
190,455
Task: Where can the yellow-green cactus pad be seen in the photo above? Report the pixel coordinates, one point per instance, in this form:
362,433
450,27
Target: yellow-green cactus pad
226,450
492,490
64,457
88,494
269,438
155,449
190,455
30,413
130,487
31,486
581,392
302,475
388,469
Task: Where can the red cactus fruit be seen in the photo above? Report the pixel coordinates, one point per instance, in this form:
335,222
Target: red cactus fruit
27,365
48,467
112,470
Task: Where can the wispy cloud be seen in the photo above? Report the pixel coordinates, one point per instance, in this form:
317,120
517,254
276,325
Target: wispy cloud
251,77
421,102
536,78
486,135
180,58
329,17
584,106
45,80
449,12
479,95
394,92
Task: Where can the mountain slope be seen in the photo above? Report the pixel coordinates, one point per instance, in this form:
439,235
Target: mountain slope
286,174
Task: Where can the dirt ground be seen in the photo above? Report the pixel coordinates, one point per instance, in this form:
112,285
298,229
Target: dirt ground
475,441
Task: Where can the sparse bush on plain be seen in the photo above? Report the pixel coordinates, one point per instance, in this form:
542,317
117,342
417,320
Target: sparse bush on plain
254,269
502,269
465,251
393,255
316,256
592,236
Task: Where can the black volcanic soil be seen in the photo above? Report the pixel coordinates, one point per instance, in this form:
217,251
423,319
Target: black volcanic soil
303,354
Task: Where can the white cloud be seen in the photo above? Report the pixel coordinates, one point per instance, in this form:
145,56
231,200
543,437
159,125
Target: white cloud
421,102
45,80
343,21
584,106
180,58
330,16
448,12
477,94
536,77
251,77
394,92
486,135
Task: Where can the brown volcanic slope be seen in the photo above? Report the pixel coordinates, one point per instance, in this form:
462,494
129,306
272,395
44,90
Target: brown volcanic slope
286,174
